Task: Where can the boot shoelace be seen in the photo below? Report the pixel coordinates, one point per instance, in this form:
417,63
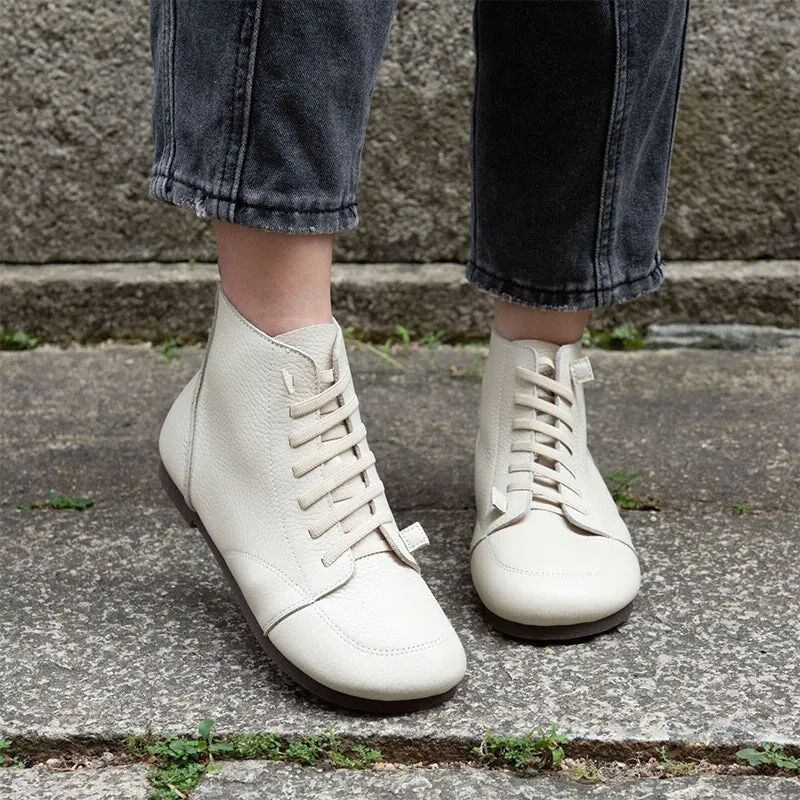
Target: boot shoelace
546,438
347,451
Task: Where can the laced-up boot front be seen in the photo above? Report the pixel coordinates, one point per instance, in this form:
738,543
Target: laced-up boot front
265,452
551,557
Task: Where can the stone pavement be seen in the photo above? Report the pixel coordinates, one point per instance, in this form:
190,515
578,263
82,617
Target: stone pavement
116,619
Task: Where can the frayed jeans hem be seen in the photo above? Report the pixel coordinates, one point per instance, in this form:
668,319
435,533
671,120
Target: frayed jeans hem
563,300
279,220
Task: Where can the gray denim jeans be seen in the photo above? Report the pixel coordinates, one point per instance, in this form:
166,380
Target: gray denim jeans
260,110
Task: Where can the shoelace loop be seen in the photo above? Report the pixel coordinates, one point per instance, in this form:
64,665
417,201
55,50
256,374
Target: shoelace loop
546,439
328,452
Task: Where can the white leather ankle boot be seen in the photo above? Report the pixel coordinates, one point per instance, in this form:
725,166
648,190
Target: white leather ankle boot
265,452
551,557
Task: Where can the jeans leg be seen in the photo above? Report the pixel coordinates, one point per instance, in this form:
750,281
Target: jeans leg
260,107
573,121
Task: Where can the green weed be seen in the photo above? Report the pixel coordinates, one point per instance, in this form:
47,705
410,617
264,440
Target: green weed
169,348
8,757
355,340
59,502
404,334
432,340
182,762
537,750
675,768
17,340
620,483
474,370
585,771
617,339
769,755
742,509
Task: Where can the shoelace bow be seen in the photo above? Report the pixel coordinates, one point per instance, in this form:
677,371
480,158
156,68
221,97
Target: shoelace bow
350,496
547,466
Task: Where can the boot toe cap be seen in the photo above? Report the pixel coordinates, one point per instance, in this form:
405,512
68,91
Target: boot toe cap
558,577
382,636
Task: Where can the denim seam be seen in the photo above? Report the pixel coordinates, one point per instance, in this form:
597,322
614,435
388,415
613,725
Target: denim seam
474,143
168,103
243,203
675,107
172,45
233,118
562,291
247,107
613,145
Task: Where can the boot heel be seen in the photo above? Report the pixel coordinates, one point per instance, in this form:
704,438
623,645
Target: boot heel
175,495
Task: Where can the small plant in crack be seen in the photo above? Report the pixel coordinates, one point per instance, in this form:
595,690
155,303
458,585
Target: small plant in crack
675,768
433,340
10,758
473,371
17,340
180,762
584,770
769,754
355,339
59,502
742,509
620,484
620,338
538,750
169,348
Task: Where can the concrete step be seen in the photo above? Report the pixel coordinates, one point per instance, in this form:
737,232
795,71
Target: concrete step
705,429
116,618
154,301
255,780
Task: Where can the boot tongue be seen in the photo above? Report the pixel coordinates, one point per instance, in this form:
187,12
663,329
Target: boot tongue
318,342
543,349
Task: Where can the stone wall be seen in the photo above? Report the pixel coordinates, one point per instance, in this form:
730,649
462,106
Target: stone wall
75,138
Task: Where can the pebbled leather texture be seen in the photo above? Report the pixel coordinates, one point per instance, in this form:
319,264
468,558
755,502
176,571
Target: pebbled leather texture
365,624
534,562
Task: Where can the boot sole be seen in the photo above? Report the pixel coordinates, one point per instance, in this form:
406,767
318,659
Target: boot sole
557,633
369,706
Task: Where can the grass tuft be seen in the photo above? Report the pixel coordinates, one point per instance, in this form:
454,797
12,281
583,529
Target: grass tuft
59,502
538,750
620,483
180,763
617,339
17,340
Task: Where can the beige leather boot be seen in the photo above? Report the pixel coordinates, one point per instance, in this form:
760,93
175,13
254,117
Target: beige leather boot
551,557
265,452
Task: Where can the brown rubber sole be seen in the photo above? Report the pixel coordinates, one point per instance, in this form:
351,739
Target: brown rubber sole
557,633
382,707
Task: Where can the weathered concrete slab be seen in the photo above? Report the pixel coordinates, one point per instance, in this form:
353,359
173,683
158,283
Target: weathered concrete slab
706,429
89,303
724,337
110,783
250,780
75,138
117,618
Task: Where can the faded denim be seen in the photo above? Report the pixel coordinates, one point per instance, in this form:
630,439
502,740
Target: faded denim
260,110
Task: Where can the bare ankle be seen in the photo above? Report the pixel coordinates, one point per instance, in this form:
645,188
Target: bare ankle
515,322
278,282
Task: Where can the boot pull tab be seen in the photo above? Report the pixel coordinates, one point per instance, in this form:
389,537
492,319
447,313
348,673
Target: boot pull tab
581,370
499,500
414,537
